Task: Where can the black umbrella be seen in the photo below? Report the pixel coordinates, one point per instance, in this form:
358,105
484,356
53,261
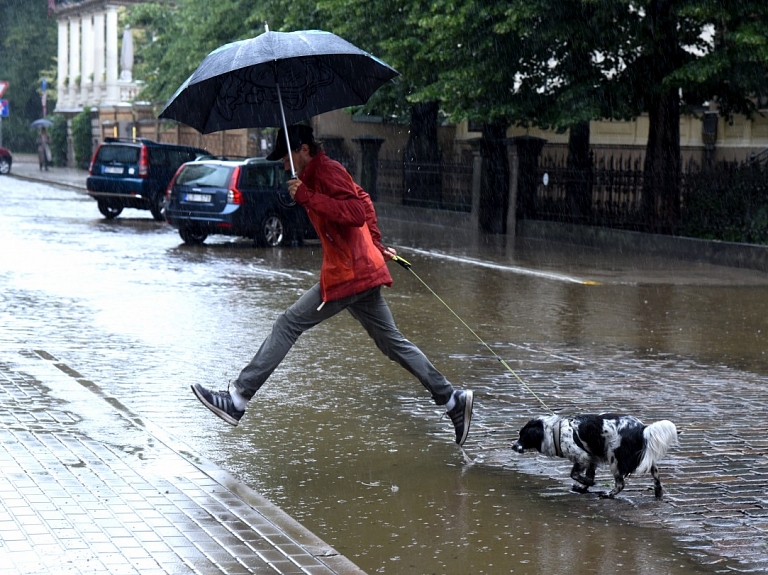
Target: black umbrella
277,78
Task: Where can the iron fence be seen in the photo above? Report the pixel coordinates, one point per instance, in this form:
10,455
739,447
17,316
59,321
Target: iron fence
613,188
442,186
726,201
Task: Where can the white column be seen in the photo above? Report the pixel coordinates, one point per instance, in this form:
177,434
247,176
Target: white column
98,56
86,83
126,56
62,100
113,90
74,60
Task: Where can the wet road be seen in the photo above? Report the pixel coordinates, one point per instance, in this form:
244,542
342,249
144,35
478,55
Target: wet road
348,443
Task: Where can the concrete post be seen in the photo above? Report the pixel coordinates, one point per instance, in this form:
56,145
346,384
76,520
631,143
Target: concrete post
477,182
525,158
514,171
368,168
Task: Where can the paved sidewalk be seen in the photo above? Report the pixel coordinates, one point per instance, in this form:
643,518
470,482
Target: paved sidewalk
86,486
25,166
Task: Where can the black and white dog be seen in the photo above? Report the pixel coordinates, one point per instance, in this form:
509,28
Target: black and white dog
621,441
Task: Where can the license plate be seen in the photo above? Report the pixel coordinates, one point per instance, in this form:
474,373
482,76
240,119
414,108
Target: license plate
113,170
197,197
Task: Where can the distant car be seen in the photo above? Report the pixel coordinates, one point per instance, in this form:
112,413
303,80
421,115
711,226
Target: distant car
242,198
135,174
6,160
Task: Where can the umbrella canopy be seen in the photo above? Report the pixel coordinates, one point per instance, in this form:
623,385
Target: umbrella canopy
41,123
277,78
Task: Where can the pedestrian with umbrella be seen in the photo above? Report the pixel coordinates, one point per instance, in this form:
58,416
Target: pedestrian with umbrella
43,142
282,77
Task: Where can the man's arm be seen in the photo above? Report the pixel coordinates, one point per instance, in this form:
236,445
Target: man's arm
372,220
334,198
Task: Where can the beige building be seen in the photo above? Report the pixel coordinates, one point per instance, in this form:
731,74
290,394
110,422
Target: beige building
95,61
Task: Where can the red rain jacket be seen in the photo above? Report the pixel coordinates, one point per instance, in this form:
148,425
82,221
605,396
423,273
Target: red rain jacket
343,216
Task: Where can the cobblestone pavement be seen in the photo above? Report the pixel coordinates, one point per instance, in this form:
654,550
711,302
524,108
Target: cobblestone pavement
88,487
715,500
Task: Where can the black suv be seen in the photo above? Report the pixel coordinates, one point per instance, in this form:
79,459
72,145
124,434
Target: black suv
244,198
135,174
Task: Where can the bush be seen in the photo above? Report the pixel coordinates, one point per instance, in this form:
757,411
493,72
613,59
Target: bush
81,138
728,203
59,140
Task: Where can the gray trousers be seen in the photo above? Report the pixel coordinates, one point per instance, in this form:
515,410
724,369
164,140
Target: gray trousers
370,309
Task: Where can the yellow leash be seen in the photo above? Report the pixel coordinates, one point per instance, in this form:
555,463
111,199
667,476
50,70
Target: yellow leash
406,264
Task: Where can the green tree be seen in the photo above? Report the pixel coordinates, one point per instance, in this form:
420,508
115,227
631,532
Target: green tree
560,63
375,27
28,40
391,31
549,63
475,68
677,55
176,37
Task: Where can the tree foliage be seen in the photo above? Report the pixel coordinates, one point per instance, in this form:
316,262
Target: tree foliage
28,44
549,63
176,37
560,63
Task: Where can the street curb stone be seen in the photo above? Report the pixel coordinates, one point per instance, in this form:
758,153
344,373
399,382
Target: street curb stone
87,486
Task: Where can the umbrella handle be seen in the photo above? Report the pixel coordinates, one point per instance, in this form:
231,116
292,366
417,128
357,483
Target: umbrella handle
285,131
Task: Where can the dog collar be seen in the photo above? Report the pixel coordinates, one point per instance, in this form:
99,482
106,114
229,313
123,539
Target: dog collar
556,438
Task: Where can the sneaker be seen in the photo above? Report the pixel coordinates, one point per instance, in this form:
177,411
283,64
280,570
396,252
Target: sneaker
461,414
220,403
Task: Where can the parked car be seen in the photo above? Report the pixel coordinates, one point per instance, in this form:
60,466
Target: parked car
242,198
135,174
6,160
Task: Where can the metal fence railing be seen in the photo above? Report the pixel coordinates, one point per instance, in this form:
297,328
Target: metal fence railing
440,186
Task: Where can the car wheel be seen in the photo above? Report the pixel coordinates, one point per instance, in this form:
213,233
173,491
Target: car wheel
5,166
157,207
108,211
192,236
271,232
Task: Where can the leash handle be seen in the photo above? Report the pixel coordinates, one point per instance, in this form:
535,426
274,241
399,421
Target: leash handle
402,261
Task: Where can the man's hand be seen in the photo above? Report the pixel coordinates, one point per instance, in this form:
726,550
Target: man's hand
389,253
293,185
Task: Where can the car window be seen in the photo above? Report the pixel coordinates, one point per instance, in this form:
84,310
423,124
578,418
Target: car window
169,157
204,175
178,157
118,155
258,177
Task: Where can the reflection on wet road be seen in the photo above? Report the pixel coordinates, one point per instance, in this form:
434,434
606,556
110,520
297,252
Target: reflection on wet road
348,443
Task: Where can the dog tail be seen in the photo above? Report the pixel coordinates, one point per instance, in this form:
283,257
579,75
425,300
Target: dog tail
659,437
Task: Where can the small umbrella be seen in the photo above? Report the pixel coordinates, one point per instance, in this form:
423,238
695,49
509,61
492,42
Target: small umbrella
277,78
41,123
